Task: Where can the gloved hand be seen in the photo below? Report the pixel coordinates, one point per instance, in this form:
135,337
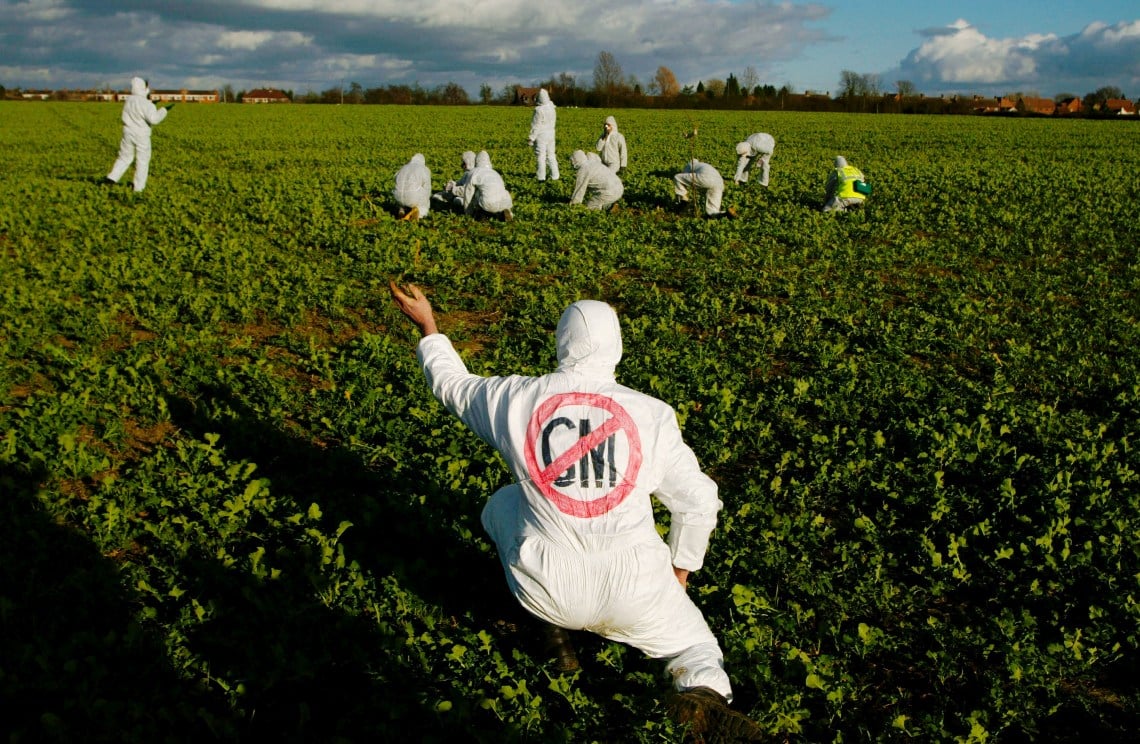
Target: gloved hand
169,106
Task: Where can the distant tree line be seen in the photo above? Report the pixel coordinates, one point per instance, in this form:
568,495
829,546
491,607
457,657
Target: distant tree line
611,87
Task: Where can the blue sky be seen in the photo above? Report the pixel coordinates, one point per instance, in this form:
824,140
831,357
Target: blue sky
1046,46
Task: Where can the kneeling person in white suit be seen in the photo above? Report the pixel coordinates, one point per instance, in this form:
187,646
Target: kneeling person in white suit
596,180
575,532
413,189
485,193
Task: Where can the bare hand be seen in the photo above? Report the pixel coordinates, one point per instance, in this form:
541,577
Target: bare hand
682,575
413,303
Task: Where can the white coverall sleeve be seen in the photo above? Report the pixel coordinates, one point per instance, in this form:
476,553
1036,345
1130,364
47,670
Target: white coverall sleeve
535,126
467,396
580,185
691,498
467,193
154,115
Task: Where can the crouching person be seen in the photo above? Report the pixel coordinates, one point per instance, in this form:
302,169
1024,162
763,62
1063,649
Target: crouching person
485,194
575,531
597,184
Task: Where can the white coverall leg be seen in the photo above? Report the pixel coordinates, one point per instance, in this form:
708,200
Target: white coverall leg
713,192
134,146
747,162
630,596
764,167
545,157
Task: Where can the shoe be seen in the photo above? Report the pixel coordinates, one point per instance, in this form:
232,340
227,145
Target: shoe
412,215
556,641
508,215
709,719
108,182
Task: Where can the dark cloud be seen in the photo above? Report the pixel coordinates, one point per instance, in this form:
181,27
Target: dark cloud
300,44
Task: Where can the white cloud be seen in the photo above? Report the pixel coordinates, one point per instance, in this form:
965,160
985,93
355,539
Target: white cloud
1101,34
250,40
960,53
959,56
35,11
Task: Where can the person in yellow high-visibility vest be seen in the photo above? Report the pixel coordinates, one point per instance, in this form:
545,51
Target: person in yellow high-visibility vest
840,192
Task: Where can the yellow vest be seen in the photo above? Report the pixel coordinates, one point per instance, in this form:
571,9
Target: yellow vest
847,176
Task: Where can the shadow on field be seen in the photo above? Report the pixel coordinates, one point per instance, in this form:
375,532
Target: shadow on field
311,671
77,666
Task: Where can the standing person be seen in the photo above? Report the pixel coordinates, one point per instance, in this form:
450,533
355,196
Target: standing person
485,193
139,115
845,188
758,146
452,195
542,136
576,532
702,177
413,189
602,184
612,146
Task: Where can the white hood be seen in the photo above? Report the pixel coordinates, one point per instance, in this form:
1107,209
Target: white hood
543,97
482,160
589,338
139,87
577,158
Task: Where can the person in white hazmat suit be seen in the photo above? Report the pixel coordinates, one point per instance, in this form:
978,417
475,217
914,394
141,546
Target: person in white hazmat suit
485,193
611,145
601,184
452,195
757,148
575,532
541,136
413,189
705,179
139,115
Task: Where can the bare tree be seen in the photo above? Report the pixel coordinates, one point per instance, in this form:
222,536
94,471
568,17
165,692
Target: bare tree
905,88
566,81
665,83
854,84
749,79
609,78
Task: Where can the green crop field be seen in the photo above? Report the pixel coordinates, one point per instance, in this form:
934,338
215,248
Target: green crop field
233,511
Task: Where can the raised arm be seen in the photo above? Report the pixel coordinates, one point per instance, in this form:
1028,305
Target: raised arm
414,304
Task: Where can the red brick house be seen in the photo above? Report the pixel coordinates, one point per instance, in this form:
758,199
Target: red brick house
526,96
1069,106
1120,107
265,95
1030,105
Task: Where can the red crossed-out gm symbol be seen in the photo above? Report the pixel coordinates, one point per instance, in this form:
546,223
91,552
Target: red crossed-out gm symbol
594,453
